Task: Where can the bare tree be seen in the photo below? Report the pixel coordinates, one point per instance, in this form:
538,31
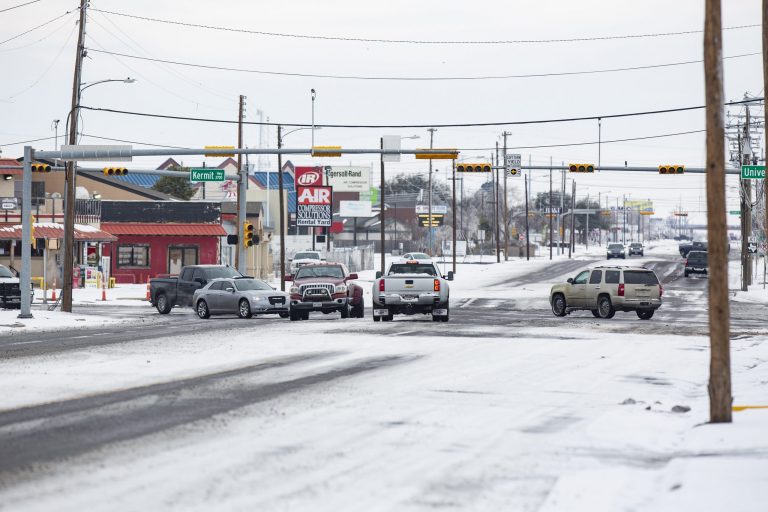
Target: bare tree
720,399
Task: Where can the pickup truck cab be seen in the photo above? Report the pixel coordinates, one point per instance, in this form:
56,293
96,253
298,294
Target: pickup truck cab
410,287
165,293
10,290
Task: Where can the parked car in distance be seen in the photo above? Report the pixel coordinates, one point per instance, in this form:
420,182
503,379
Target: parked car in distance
325,287
615,251
167,292
696,263
410,287
243,297
418,256
636,249
606,289
10,289
305,258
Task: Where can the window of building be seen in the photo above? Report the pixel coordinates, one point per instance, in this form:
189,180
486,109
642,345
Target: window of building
133,256
179,257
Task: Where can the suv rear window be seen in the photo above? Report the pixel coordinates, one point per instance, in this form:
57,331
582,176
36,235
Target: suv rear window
640,277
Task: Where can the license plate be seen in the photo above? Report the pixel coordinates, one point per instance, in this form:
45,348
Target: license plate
317,304
410,298
645,303
439,312
381,312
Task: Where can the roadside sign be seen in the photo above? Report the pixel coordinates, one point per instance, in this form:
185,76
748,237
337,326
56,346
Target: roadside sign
734,212
348,178
392,143
308,176
752,172
314,206
9,203
513,163
436,208
355,209
437,220
206,174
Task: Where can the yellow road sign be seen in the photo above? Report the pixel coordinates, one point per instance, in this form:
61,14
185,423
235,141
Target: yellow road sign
326,151
220,147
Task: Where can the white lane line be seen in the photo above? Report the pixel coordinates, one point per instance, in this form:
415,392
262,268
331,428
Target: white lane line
27,342
84,336
470,301
400,333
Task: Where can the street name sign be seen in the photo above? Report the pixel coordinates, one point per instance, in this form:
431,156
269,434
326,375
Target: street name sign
752,172
206,174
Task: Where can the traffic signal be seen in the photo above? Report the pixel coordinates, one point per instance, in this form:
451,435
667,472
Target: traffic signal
473,168
247,234
115,171
581,167
41,168
671,169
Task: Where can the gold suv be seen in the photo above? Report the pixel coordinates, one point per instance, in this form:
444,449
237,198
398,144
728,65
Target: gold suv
604,290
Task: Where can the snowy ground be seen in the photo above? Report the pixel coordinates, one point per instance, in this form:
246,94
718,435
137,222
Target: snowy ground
330,415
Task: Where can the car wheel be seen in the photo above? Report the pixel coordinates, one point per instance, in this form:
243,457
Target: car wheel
202,309
558,304
595,313
387,318
284,315
293,315
686,274
604,307
645,314
305,315
447,315
162,304
358,311
244,309
344,311
377,318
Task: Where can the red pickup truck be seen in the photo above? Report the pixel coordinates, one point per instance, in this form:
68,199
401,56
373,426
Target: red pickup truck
326,287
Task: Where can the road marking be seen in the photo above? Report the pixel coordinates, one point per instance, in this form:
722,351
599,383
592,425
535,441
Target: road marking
470,301
400,333
84,336
27,342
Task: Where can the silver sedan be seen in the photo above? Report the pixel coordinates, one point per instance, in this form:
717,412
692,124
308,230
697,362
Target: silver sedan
245,297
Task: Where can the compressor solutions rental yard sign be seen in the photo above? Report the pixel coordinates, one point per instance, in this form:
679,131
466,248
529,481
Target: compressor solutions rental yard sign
314,206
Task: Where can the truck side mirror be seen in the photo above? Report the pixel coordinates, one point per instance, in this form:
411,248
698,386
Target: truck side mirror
200,280
352,276
450,275
378,274
570,280
230,289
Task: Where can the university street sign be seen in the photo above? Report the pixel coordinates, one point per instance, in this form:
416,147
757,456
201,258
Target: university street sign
752,172
206,174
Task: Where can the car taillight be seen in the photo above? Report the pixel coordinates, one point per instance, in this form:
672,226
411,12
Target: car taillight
437,285
686,262
661,290
621,290
381,285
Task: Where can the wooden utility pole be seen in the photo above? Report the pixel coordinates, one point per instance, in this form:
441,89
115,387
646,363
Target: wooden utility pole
720,398
381,202
572,244
70,175
765,126
453,211
527,231
551,214
496,204
506,207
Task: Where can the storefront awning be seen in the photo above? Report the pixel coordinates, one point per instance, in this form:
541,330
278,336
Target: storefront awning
157,229
55,231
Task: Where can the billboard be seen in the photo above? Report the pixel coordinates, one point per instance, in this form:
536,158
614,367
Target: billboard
355,209
348,178
308,176
314,206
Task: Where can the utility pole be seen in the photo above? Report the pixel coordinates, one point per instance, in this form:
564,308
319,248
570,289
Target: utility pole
240,255
527,232
283,229
720,398
586,236
551,216
496,204
381,201
624,224
745,194
765,129
506,208
70,176
599,220
453,212
431,229
561,249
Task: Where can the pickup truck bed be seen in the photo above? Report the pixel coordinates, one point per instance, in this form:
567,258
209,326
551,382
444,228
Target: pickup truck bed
411,288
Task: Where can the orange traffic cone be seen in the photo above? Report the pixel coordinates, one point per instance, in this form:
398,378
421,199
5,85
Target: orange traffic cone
53,295
103,294
148,296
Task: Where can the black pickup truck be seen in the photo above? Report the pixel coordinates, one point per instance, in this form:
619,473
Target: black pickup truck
165,293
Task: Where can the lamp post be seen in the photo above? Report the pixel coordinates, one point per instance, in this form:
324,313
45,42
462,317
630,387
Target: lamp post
283,229
71,181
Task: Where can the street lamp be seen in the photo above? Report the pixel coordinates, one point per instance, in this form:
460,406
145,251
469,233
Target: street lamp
71,187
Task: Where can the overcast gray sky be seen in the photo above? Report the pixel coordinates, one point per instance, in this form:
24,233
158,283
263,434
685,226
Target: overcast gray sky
36,86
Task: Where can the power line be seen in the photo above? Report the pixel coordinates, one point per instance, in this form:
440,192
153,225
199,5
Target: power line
17,6
26,141
436,125
35,28
414,78
409,41
133,142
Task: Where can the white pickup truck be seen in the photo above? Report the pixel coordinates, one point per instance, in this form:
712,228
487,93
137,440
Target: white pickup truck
410,287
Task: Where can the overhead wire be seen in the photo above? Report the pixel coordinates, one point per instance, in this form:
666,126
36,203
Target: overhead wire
36,27
45,37
17,6
416,78
430,125
410,41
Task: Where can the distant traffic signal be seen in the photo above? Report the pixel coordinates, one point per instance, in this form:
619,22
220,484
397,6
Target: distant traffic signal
581,167
473,168
41,168
671,169
115,171
247,234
